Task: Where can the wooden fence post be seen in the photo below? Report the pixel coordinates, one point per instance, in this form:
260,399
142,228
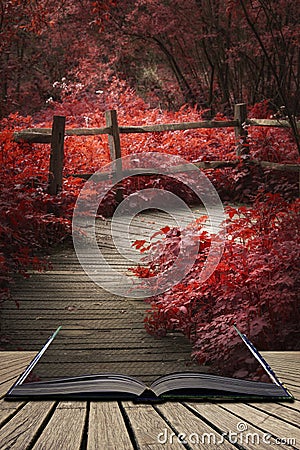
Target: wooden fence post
115,147
57,155
240,114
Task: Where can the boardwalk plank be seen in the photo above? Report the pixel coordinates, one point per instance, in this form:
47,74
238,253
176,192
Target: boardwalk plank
13,370
102,341
7,410
107,428
237,427
14,356
197,433
147,424
65,428
269,424
10,372
293,389
285,413
20,431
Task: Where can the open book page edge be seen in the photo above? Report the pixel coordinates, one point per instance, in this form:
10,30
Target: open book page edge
262,362
216,383
19,388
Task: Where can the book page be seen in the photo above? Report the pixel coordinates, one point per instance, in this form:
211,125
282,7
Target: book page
101,287
105,333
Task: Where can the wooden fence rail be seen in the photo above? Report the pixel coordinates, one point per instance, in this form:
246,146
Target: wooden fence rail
55,137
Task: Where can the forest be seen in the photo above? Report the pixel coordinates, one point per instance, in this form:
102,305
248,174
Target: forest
162,62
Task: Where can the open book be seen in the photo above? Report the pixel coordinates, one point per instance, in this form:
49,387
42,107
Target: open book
176,386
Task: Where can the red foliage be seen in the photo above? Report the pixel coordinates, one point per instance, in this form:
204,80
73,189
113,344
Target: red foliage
171,52
36,51
31,220
255,285
238,184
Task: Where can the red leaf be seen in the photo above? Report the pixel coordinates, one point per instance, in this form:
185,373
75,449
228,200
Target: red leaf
139,243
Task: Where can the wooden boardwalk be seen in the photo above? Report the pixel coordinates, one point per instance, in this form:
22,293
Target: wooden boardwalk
102,331
81,425
99,328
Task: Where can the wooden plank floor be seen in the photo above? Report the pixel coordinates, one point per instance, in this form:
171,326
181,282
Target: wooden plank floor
92,320
81,425
99,328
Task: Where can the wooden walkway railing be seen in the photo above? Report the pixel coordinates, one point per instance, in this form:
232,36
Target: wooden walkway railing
55,137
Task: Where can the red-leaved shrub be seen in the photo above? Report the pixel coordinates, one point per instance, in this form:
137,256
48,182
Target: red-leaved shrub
255,286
